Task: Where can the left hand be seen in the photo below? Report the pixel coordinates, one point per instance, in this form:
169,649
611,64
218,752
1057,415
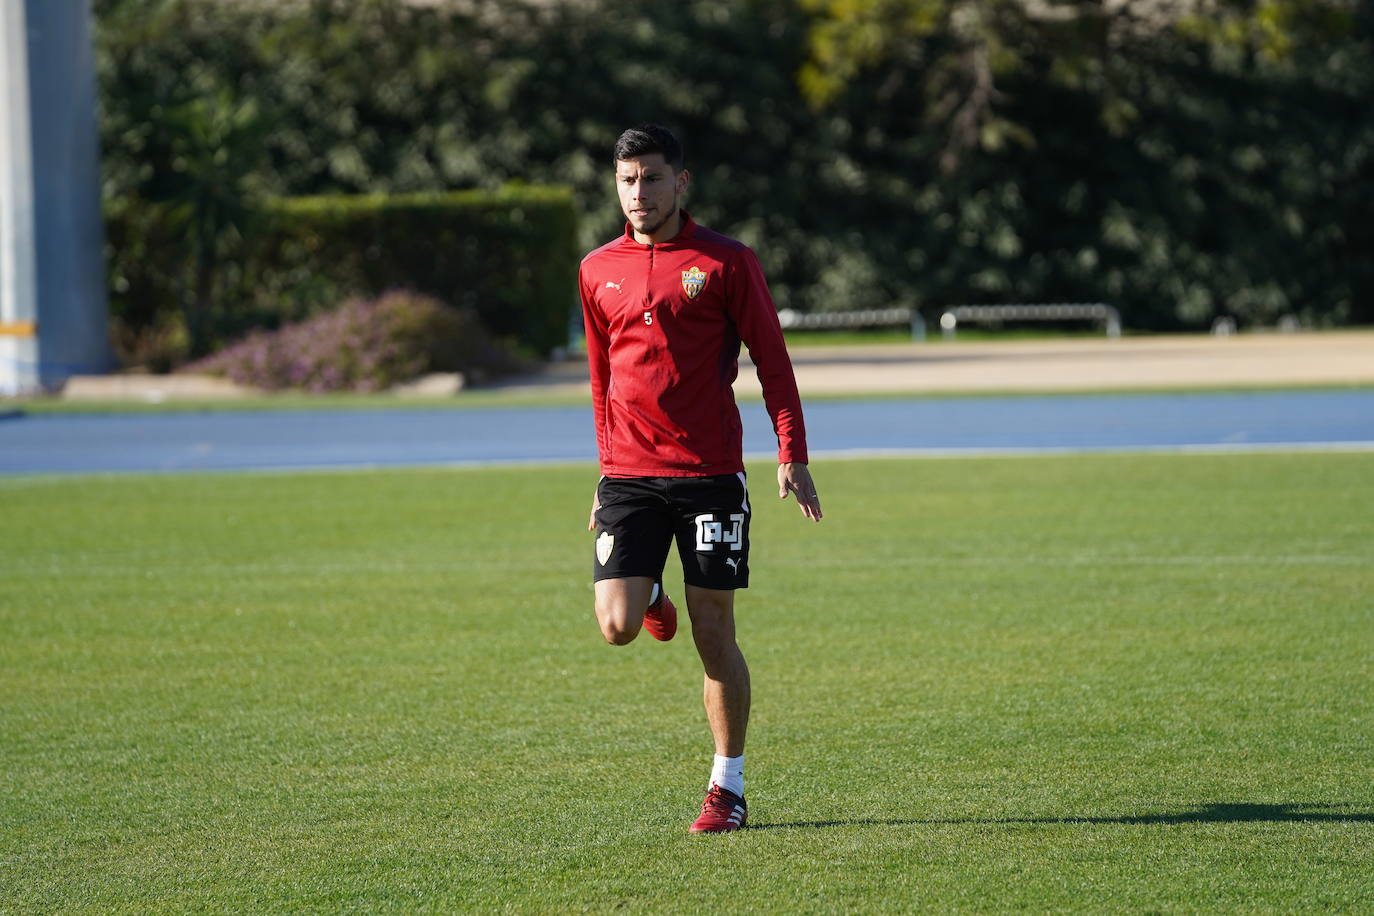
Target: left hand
795,477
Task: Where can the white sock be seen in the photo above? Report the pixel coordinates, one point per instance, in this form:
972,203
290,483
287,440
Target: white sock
728,773
653,595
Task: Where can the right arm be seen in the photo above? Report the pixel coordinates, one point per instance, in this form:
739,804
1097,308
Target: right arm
598,370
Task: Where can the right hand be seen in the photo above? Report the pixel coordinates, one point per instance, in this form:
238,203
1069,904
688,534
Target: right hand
591,519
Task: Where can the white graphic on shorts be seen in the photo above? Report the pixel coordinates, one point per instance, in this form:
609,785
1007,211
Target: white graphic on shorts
604,545
711,532
733,563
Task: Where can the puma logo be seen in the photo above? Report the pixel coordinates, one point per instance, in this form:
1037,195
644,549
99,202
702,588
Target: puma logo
613,285
734,564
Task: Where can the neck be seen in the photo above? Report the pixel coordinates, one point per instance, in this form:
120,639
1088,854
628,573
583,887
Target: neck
670,228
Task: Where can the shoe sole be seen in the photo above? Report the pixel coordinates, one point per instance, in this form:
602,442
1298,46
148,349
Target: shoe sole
703,830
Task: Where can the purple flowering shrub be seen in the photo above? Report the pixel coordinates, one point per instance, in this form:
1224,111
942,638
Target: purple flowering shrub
364,345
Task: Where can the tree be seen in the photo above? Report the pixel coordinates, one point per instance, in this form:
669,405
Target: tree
875,152
1180,159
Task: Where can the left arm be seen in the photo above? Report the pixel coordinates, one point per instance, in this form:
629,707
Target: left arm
756,318
751,308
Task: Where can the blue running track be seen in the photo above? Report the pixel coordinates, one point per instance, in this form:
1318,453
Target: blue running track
419,437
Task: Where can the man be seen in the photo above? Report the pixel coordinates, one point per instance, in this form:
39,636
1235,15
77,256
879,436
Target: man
666,307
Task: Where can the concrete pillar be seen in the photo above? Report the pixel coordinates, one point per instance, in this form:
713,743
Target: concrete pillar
53,312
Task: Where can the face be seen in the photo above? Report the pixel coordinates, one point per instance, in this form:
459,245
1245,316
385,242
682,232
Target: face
649,190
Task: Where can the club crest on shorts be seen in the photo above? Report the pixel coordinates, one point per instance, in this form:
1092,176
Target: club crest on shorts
604,545
692,281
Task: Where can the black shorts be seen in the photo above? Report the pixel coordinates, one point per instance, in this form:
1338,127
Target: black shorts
639,518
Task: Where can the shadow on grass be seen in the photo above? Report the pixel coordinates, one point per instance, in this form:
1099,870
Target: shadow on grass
1207,814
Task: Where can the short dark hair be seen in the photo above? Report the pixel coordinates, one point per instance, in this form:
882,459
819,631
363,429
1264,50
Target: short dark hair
650,138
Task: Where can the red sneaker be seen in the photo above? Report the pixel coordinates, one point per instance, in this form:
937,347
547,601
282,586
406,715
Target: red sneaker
722,812
661,618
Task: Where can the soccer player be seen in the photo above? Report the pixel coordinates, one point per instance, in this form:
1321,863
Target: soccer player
666,306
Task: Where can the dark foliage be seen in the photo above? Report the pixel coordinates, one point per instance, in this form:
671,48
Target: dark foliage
1181,169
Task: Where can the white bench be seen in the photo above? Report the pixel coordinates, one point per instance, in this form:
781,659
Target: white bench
792,320
1065,311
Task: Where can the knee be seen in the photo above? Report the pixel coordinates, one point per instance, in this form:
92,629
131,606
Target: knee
713,639
713,623
618,627
618,634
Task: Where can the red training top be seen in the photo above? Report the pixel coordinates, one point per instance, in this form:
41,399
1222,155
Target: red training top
664,324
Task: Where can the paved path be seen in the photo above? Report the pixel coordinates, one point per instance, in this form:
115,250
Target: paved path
1098,364
1078,364
263,439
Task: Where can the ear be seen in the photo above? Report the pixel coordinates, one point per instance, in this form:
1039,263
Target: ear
683,179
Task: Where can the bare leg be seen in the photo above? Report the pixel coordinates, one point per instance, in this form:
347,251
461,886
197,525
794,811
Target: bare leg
620,605
726,693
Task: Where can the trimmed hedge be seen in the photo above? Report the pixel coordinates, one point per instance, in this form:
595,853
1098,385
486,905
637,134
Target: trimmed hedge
508,255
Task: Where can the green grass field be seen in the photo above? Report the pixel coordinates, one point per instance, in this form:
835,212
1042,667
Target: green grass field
1088,683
